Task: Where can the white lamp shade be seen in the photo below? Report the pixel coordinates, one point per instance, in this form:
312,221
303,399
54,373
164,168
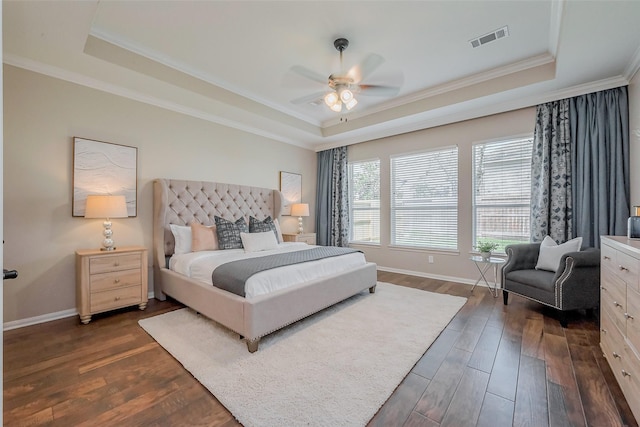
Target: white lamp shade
106,207
300,209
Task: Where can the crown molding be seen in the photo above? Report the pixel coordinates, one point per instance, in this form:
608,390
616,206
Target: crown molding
633,66
555,25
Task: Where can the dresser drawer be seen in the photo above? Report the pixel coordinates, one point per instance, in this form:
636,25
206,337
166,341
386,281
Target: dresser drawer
628,269
608,257
612,343
633,318
613,300
106,263
631,380
114,280
122,297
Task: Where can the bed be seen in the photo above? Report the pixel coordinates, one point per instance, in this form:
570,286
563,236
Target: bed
182,202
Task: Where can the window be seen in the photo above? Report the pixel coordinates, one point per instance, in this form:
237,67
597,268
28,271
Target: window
424,199
502,191
364,201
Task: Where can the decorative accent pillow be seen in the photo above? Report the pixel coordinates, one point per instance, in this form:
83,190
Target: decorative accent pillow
278,231
262,241
257,226
203,238
229,233
182,236
551,252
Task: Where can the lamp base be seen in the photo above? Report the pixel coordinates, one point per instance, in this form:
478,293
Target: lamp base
300,230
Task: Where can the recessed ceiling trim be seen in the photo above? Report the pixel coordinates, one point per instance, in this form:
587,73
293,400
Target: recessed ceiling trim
184,68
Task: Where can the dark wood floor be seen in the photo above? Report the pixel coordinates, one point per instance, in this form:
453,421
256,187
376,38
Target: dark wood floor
494,365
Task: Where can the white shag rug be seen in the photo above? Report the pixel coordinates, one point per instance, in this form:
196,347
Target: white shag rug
335,368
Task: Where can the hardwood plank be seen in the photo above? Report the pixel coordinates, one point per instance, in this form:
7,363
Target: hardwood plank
437,397
419,420
560,373
401,403
496,412
504,374
485,352
466,403
532,342
531,394
471,334
429,363
86,367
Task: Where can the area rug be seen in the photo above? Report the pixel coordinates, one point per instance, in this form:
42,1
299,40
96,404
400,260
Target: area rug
335,368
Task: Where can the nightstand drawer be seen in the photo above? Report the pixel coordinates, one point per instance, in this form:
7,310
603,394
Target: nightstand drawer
308,238
115,280
108,263
122,297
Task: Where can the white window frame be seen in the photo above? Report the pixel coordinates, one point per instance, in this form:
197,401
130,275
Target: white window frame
353,208
449,203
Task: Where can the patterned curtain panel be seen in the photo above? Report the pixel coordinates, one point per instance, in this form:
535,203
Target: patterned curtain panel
600,158
551,202
332,198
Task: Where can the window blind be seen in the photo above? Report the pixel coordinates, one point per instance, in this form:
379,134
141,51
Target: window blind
502,191
424,199
364,201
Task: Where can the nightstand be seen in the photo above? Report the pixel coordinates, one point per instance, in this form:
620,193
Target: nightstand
308,238
106,280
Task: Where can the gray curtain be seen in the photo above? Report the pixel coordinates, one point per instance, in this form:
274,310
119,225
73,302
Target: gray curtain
551,202
600,160
332,198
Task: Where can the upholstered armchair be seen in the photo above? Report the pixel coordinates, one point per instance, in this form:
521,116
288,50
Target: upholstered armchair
574,285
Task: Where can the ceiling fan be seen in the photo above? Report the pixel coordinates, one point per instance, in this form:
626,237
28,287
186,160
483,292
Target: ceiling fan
343,86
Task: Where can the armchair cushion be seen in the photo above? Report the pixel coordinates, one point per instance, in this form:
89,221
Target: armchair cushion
550,252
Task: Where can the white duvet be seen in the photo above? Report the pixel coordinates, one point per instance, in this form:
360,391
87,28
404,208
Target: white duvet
200,266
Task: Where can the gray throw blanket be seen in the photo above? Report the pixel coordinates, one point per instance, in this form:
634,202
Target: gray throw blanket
233,275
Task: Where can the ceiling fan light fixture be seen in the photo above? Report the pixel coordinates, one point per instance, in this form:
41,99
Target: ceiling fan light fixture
331,99
352,103
337,107
346,95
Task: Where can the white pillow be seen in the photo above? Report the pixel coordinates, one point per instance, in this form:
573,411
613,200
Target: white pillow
278,230
182,236
551,252
255,242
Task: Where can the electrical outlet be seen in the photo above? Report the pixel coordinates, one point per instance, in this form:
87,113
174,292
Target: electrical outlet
430,259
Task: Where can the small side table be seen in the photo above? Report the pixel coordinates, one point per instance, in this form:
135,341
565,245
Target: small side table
308,238
483,265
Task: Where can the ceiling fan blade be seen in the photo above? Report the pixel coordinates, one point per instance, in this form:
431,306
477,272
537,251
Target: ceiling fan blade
308,99
310,74
366,67
378,90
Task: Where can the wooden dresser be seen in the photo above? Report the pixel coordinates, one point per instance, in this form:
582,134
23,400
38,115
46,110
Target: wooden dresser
620,313
106,280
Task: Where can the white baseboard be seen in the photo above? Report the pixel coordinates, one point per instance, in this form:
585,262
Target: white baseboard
431,276
15,324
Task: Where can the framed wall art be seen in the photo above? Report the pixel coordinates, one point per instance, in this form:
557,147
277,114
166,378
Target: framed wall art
291,189
106,169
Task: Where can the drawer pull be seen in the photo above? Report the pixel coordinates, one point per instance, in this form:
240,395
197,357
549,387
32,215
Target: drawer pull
117,281
603,330
116,264
607,258
616,355
628,316
623,268
625,373
603,288
617,304
116,299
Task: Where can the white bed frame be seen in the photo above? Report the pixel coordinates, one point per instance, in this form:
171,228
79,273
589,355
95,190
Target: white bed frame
182,202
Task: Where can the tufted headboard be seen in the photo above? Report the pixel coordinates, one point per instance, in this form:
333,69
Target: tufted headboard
182,202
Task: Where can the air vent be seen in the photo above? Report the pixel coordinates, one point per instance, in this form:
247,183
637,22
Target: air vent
492,36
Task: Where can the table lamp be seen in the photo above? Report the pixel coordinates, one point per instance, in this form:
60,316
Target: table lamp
106,207
300,210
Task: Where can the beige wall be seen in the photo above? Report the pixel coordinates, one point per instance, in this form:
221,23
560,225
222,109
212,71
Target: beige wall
41,117
446,264
634,139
